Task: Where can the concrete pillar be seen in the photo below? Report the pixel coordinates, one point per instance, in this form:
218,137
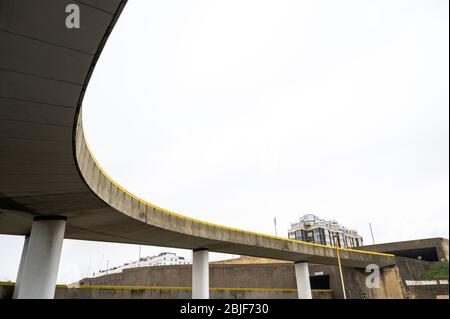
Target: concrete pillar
200,274
302,277
19,273
40,267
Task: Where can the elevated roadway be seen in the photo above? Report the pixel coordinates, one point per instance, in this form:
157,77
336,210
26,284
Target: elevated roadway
48,172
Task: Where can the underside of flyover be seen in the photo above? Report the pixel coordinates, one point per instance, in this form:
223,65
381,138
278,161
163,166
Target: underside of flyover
46,168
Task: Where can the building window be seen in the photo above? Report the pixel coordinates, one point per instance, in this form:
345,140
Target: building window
319,236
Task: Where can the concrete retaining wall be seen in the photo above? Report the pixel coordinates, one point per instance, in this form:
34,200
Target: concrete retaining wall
276,280
279,275
112,292
428,292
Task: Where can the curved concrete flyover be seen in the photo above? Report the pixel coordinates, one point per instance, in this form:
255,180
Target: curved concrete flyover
46,168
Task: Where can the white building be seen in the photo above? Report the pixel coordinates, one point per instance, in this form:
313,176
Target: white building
311,228
163,259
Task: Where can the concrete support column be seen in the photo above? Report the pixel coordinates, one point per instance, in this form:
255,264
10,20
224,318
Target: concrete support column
40,267
200,274
302,277
19,273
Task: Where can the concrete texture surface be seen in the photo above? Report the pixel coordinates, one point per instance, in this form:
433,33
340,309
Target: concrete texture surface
249,277
260,276
257,280
260,273
433,249
112,292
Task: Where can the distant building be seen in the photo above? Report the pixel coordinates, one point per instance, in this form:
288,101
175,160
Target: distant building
163,259
311,228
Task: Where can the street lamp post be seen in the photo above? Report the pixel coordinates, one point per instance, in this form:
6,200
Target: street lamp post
339,263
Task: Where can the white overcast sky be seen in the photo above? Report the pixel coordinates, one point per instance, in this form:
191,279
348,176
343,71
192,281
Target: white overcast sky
239,111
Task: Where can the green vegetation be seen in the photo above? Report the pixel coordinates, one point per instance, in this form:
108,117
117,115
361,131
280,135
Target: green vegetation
437,271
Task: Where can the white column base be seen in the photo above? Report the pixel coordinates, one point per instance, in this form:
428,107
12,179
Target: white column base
200,274
302,277
40,267
19,273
